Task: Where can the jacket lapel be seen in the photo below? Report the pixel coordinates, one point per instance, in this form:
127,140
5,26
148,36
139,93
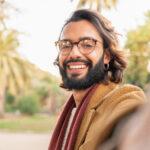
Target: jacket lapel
96,100
84,127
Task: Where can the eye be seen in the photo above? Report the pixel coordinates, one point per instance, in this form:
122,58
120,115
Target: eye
87,43
65,45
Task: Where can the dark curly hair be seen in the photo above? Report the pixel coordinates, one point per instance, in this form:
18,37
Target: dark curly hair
106,31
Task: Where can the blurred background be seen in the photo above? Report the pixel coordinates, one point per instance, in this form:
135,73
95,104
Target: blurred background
30,96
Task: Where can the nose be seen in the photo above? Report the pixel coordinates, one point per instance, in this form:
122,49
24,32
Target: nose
75,52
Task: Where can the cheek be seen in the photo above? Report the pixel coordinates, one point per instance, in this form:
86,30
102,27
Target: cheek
61,60
95,56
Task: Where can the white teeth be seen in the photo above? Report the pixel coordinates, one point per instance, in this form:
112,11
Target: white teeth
77,67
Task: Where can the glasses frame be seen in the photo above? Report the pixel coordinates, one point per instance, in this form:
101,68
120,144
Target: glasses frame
77,43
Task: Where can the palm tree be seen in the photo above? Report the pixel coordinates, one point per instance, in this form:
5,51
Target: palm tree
16,73
97,4
14,70
2,13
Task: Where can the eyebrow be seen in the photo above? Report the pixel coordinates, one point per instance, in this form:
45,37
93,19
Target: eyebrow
87,37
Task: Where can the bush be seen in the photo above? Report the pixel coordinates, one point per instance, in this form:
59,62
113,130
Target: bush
10,103
10,98
28,104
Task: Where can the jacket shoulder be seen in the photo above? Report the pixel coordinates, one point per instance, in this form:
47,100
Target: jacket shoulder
122,100
126,92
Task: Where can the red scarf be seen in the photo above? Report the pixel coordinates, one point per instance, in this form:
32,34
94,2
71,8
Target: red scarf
60,130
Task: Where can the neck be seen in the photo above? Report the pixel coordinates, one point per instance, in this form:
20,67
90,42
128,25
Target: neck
78,95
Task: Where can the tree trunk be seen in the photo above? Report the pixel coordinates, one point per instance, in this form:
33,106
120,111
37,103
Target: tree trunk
2,96
2,102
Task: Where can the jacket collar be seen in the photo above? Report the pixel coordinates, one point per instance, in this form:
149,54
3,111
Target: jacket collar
100,93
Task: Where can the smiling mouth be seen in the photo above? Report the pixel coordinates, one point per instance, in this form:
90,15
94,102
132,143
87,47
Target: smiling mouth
76,66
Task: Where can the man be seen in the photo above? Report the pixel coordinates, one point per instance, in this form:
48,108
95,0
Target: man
91,66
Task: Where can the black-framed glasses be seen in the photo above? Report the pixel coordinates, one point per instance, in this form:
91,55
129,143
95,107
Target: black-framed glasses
85,45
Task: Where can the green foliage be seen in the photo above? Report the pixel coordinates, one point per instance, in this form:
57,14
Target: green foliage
10,103
10,98
137,72
50,95
138,42
9,40
10,108
28,104
42,92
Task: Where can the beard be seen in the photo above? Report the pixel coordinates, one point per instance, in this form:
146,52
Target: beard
95,74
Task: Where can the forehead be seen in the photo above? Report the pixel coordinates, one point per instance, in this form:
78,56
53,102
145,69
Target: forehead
79,29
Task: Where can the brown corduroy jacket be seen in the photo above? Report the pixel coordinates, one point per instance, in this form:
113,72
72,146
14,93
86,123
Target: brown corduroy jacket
108,104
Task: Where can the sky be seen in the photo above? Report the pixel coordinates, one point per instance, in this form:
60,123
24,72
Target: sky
40,21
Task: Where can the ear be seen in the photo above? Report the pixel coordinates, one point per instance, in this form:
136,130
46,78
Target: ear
106,58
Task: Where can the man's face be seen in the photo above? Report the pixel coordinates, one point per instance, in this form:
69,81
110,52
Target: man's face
77,68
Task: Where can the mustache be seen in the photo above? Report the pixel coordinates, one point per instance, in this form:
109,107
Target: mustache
86,62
